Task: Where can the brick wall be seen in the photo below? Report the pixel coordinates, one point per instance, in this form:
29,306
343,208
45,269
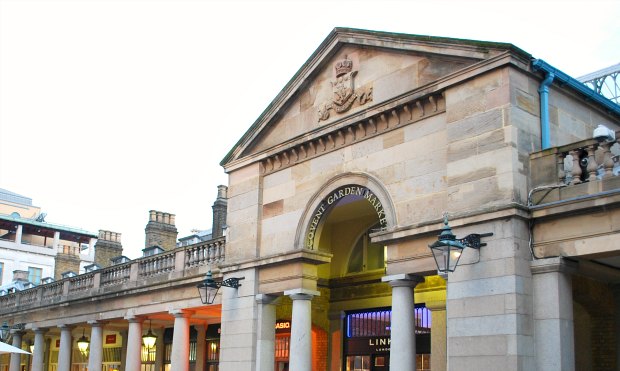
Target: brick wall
64,263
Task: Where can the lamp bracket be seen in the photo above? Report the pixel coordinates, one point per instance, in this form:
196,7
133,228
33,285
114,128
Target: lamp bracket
231,282
473,240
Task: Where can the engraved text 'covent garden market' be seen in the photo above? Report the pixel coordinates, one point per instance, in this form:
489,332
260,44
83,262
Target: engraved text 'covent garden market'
333,197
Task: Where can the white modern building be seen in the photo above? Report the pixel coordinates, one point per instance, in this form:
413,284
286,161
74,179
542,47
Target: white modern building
32,250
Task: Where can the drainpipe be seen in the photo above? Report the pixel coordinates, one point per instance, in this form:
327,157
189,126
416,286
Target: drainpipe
553,74
545,127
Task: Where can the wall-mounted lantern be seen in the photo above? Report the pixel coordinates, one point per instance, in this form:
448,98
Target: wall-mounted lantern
209,287
447,250
5,332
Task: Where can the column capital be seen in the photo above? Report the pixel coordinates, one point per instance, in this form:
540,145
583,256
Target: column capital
40,330
435,305
301,294
132,318
403,279
181,313
65,327
549,265
266,299
96,323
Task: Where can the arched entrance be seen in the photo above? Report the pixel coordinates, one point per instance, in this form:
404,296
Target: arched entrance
354,306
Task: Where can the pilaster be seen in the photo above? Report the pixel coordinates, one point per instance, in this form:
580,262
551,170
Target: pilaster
553,314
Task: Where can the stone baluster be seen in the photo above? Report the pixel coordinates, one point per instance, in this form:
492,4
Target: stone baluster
561,172
576,171
592,165
608,162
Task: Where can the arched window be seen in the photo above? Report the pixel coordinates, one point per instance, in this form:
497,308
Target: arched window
365,255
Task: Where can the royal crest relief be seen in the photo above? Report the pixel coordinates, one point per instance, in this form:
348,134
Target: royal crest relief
343,88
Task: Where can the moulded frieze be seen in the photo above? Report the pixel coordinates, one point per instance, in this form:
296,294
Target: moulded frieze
376,124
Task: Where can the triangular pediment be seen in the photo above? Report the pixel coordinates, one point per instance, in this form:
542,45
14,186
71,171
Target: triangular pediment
352,71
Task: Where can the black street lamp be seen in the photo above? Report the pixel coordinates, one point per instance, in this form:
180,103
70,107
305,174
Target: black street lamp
209,287
447,250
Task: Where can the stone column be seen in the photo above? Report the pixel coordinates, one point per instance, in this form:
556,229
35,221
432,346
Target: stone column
16,359
18,234
39,349
179,357
201,347
616,291
266,332
300,355
95,356
402,333
66,346
134,344
124,335
439,359
159,349
553,314
335,351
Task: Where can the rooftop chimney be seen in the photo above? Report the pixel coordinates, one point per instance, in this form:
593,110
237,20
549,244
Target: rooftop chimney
219,212
161,231
108,246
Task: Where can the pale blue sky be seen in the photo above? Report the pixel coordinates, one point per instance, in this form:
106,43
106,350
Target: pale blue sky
111,108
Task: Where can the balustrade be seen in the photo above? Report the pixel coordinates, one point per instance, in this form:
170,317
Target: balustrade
586,162
81,282
156,264
27,297
114,277
210,252
51,291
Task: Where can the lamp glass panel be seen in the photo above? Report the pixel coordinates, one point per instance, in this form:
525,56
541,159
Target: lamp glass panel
83,344
446,257
149,340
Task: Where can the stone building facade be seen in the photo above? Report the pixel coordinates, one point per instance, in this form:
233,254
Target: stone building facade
335,194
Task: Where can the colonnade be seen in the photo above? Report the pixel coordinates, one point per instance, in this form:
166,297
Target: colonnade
132,345
402,352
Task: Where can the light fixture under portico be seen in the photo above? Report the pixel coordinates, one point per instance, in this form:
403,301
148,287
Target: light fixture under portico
149,339
83,344
447,250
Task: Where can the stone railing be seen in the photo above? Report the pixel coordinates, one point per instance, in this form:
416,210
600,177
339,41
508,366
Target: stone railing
584,167
135,273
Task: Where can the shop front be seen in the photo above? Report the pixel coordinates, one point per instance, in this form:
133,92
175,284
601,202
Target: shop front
367,339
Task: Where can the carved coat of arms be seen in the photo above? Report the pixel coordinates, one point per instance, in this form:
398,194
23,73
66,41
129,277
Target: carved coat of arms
343,87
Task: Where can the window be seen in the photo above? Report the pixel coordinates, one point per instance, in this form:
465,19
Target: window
34,275
1,272
366,256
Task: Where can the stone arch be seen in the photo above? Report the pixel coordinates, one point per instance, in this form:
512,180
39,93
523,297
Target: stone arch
341,182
